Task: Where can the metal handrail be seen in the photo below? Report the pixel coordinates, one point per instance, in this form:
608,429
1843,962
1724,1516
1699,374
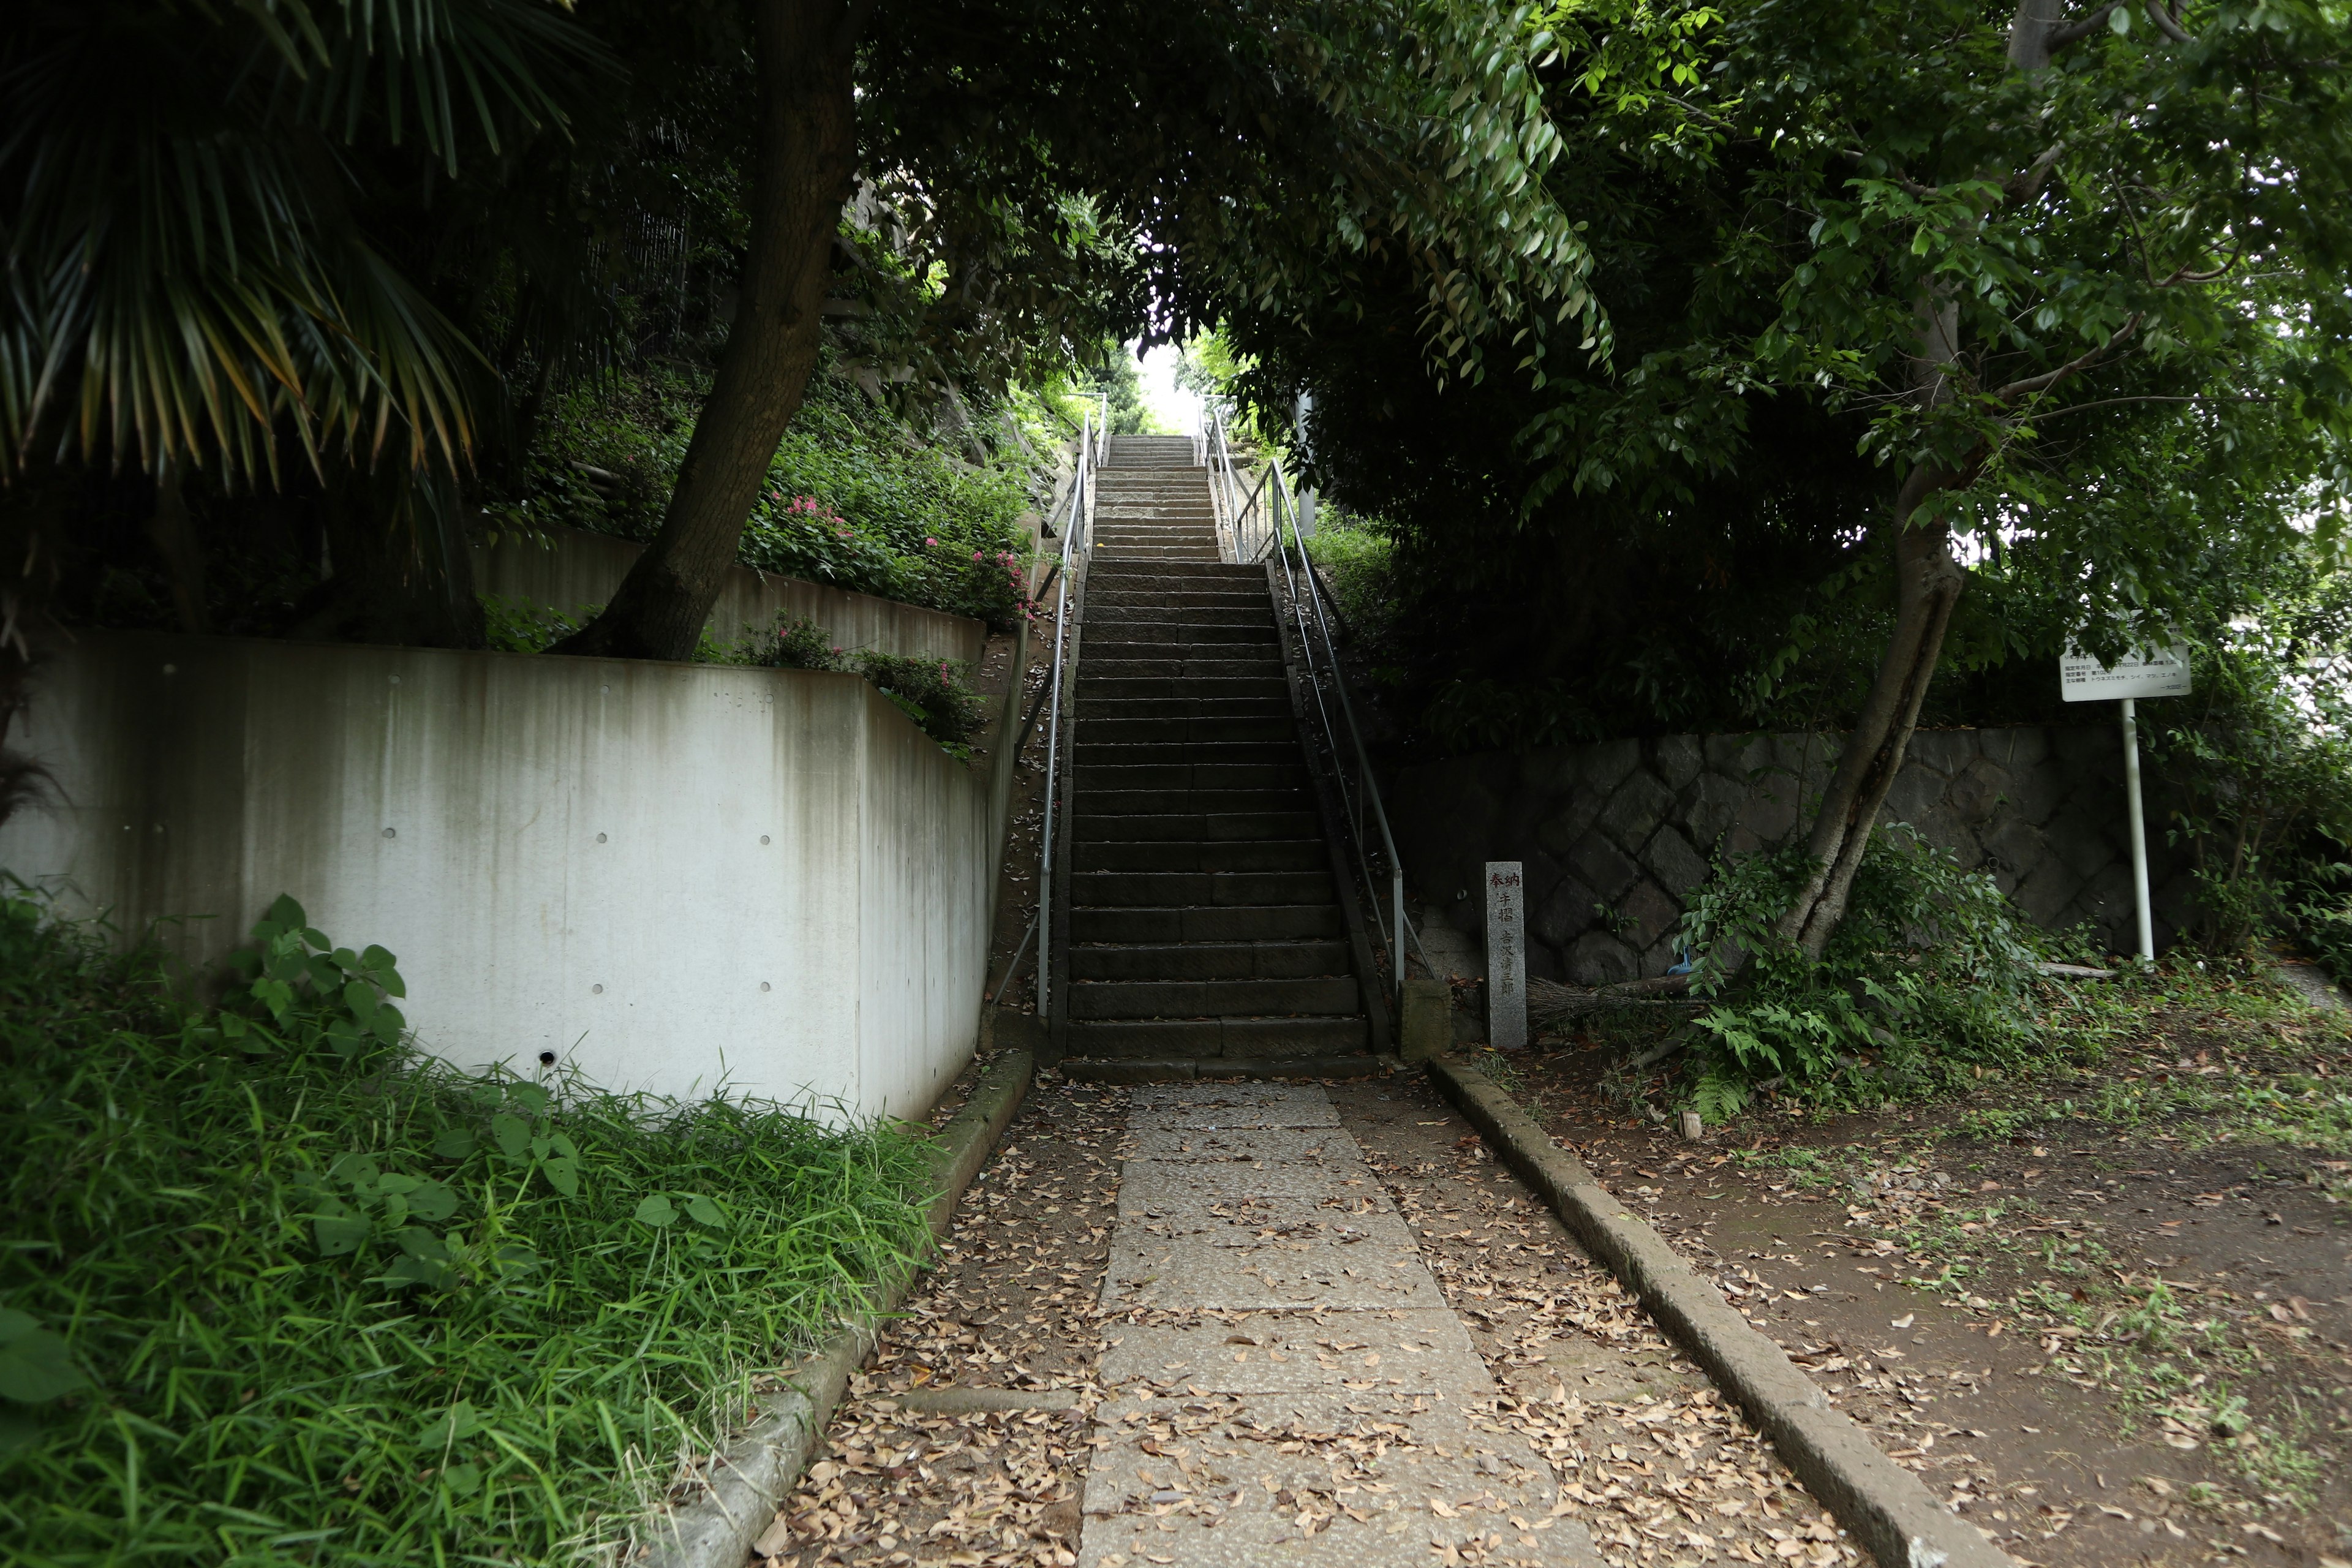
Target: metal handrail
1246,526
1312,619
1093,446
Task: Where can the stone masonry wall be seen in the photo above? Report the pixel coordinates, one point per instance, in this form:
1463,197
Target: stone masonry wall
1631,826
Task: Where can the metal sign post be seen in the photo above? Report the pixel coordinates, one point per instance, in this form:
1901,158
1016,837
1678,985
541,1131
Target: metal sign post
2161,672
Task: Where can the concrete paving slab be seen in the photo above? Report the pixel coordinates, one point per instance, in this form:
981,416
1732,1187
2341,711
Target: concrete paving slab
1191,1273
1260,1149
1154,1188
1227,1105
1333,1412
1369,1481
1283,1353
1295,1216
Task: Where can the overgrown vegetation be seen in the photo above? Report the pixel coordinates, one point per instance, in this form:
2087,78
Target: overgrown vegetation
854,496
933,692
1932,971
277,1289
2258,763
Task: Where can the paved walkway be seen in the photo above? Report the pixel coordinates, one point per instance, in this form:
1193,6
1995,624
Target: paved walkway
1298,1392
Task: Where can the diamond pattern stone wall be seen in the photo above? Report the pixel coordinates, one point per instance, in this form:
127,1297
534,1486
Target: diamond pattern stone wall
1615,835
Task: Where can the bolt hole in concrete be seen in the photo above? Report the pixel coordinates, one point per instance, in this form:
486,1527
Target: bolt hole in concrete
392,833
596,990
600,839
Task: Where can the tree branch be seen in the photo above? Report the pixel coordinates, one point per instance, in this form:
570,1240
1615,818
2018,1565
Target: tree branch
2026,184
2164,22
2082,27
2073,367
2111,402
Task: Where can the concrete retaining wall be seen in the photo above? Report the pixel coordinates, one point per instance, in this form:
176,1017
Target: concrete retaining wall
581,568
672,876
1632,825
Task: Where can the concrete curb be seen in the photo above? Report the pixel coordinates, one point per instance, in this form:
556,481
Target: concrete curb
1888,1509
757,1469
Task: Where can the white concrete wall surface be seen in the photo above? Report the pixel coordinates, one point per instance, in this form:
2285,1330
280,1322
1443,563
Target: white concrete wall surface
675,877
577,568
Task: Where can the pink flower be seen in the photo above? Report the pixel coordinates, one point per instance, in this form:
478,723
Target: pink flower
927,542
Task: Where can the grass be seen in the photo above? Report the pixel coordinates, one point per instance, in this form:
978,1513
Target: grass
275,1289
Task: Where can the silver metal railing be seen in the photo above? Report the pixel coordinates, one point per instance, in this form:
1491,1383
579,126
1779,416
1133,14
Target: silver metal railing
1261,519
1245,510
1076,530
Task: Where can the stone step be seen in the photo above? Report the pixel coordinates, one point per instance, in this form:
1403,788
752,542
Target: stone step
1155,637
1223,1037
1098,827
1161,927
1223,855
1190,999
1176,675
1249,801
1178,596
1277,750
1207,779
1210,889
1192,574
1101,618
1210,961
1179,729
1189,1070
1274,704
1172,556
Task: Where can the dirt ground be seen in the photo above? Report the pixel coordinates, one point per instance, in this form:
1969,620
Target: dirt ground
1009,1305
2104,1312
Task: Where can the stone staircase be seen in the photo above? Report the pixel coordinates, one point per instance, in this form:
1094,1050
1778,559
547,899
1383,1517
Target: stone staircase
1206,934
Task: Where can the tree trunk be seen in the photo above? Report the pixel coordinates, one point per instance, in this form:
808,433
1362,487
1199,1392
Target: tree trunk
808,156
1927,579
1927,583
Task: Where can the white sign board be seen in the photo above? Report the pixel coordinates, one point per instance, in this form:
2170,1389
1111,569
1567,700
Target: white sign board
1507,965
2160,672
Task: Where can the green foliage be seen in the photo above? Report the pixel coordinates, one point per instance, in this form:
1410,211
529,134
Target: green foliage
853,498
794,642
2260,759
521,626
933,692
1357,557
1117,381
277,1289
2149,361
1932,967
189,284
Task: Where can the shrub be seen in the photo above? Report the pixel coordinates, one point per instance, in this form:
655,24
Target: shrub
1932,966
933,694
794,642
291,1292
853,498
